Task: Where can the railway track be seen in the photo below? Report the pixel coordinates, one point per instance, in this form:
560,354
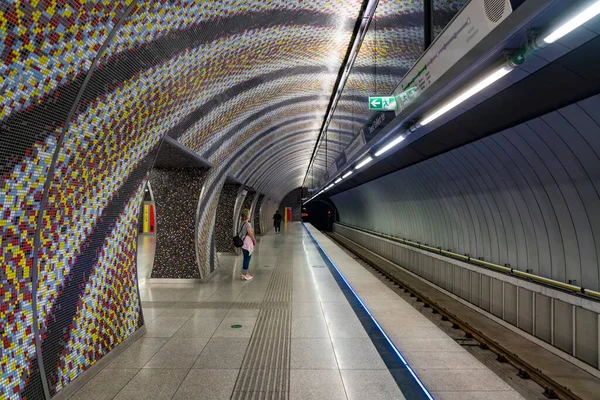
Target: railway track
551,389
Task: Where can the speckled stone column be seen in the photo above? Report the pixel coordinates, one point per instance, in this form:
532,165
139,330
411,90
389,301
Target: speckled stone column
225,217
258,229
176,192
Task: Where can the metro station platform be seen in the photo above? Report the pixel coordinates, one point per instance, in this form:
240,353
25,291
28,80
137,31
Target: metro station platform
312,324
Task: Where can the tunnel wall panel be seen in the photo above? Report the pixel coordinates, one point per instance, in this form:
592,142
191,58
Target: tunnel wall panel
569,324
527,196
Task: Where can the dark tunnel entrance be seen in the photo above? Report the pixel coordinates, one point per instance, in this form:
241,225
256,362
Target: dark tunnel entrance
321,214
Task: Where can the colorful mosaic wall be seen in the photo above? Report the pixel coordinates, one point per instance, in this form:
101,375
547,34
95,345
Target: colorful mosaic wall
88,90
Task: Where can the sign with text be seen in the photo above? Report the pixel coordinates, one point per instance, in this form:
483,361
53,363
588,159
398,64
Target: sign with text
474,22
385,103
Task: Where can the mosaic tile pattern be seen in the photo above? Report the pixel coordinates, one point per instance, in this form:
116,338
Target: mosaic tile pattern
224,219
176,192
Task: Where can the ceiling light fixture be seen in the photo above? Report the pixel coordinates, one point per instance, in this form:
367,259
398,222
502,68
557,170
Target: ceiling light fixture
347,174
389,145
578,20
469,92
364,162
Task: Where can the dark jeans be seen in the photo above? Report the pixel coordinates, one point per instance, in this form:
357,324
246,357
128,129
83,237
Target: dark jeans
246,261
277,227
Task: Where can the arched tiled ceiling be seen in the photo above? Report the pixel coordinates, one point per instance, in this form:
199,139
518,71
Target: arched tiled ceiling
392,45
271,78
271,153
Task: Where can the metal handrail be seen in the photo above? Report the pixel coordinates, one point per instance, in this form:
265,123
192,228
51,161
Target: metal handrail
471,260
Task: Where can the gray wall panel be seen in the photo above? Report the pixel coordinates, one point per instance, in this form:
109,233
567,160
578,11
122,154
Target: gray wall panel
587,336
527,196
510,303
543,317
563,326
526,310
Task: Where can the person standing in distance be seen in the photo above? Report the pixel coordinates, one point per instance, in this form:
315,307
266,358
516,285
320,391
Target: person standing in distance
277,222
249,242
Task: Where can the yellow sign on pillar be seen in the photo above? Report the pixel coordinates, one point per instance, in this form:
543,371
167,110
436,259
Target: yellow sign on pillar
146,218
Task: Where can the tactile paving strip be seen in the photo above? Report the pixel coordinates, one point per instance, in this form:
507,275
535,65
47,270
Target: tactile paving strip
265,372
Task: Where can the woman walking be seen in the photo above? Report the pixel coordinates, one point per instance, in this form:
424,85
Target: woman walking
247,234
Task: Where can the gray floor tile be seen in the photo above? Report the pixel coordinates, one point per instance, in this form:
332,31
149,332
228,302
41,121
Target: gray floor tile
248,312
150,314
153,384
178,312
307,309
138,354
164,326
338,310
178,353
105,385
199,327
346,328
312,354
210,312
316,385
370,384
357,354
223,353
209,384
225,328
309,327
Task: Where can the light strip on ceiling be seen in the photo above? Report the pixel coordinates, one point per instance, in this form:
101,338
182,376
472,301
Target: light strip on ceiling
578,20
347,174
364,162
469,92
389,145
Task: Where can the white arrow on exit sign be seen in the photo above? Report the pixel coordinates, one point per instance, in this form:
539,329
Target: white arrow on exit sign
385,103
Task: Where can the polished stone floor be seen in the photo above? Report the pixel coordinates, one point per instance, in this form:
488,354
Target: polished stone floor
289,333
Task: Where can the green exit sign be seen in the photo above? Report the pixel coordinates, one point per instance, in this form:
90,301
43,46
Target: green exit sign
386,103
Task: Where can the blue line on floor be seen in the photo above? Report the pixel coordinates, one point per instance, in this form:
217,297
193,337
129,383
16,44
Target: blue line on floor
408,382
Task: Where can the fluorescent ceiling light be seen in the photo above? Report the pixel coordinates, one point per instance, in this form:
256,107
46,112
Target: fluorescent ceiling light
347,174
479,86
578,20
389,145
329,187
364,162
338,180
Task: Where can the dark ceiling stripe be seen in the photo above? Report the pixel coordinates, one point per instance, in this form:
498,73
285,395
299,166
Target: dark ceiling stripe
235,130
257,168
268,172
189,120
279,141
